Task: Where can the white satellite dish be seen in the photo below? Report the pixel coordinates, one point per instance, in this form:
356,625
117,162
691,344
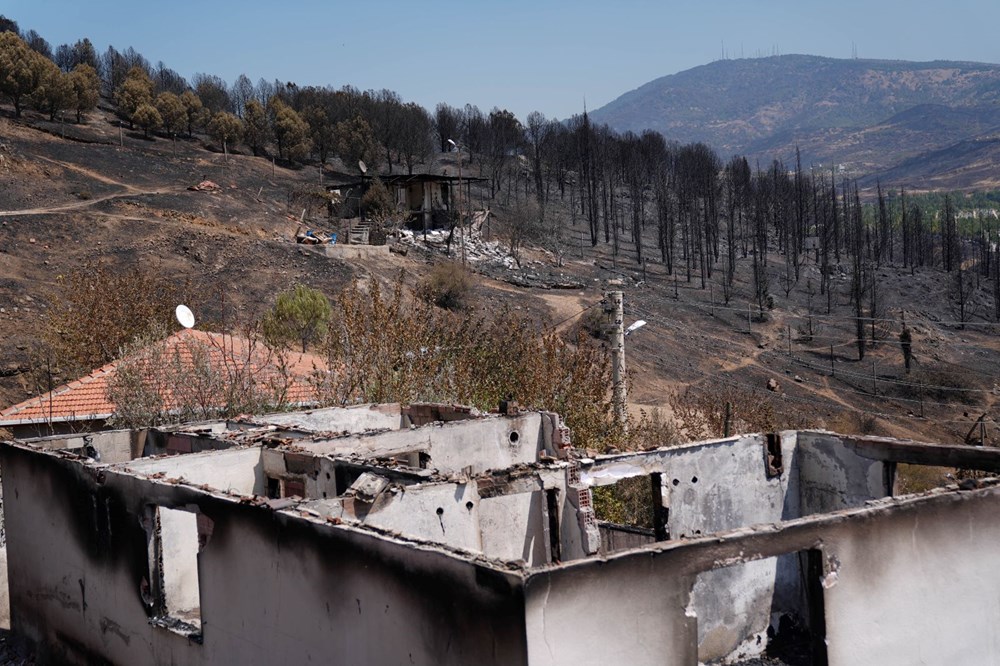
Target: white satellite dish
363,167
184,316
636,326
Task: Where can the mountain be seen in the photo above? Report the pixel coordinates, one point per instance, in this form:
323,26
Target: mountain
869,114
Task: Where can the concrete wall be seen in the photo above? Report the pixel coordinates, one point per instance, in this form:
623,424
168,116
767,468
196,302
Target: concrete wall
623,537
343,251
113,446
724,485
316,473
513,527
908,581
56,428
917,587
236,470
446,513
340,419
478,445
178,546
177,442
832,477
275,587
609,612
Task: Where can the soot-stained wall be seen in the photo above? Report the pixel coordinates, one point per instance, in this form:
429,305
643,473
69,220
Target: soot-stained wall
728,484
917,586
275,587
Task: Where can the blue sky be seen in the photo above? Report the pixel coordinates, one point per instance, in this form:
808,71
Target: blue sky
521,55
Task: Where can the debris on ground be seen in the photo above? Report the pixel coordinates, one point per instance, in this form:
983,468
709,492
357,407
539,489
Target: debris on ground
314,237
205,186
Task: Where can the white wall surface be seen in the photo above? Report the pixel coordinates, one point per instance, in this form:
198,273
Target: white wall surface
238,470
918,588
179,549
480,444
513,527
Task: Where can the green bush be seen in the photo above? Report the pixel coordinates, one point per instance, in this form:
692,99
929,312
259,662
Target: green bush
299,317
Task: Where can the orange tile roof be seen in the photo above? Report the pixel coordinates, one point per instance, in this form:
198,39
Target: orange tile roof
87,399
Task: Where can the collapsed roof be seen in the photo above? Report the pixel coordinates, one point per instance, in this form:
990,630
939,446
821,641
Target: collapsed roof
435,534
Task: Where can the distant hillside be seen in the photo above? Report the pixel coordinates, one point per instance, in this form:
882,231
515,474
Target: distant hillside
871,114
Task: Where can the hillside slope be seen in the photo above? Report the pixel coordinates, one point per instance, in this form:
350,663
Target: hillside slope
870,114
66,202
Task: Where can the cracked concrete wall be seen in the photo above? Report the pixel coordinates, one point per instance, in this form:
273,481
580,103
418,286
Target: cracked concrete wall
275,587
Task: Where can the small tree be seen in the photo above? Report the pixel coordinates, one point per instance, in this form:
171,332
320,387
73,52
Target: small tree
193,109
378,208
963,294
524,224
447,286
256,130
225,128
194,378
148,118
97,310
300,315
355,140
135,91
86,89
20,69
291,133
55,90
171,110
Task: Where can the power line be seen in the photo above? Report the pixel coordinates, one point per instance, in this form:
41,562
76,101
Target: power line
850,342
826,404
723,307
553,327
866,377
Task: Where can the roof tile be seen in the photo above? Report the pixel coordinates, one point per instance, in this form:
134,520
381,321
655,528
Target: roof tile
86,398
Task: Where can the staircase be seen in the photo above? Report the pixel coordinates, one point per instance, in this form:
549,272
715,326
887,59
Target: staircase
358,233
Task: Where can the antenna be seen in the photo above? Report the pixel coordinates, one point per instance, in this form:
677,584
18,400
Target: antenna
184,316
363,167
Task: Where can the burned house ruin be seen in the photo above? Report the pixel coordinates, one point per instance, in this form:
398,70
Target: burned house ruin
430,534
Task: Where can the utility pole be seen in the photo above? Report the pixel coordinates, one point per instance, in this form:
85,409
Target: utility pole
614,305
458,195
460,220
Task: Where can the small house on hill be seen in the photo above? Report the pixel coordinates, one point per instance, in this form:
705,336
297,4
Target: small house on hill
190,373
426,198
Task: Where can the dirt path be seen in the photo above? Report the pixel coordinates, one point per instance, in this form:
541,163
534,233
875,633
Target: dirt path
78,205
87,172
